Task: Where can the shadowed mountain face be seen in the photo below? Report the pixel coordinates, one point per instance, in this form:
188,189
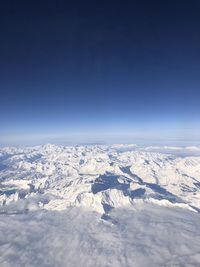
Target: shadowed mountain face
104,182
108,181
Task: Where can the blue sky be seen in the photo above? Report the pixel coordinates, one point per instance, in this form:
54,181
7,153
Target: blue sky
86,72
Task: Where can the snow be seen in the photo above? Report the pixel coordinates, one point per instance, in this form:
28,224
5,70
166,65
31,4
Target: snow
146,236
118,205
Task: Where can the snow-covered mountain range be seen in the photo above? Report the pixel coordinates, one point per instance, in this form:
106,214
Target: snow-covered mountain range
99,178
104,206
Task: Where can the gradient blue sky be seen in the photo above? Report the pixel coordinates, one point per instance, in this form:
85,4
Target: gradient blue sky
99,71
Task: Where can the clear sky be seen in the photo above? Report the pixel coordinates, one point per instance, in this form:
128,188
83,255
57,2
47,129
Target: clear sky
99,71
